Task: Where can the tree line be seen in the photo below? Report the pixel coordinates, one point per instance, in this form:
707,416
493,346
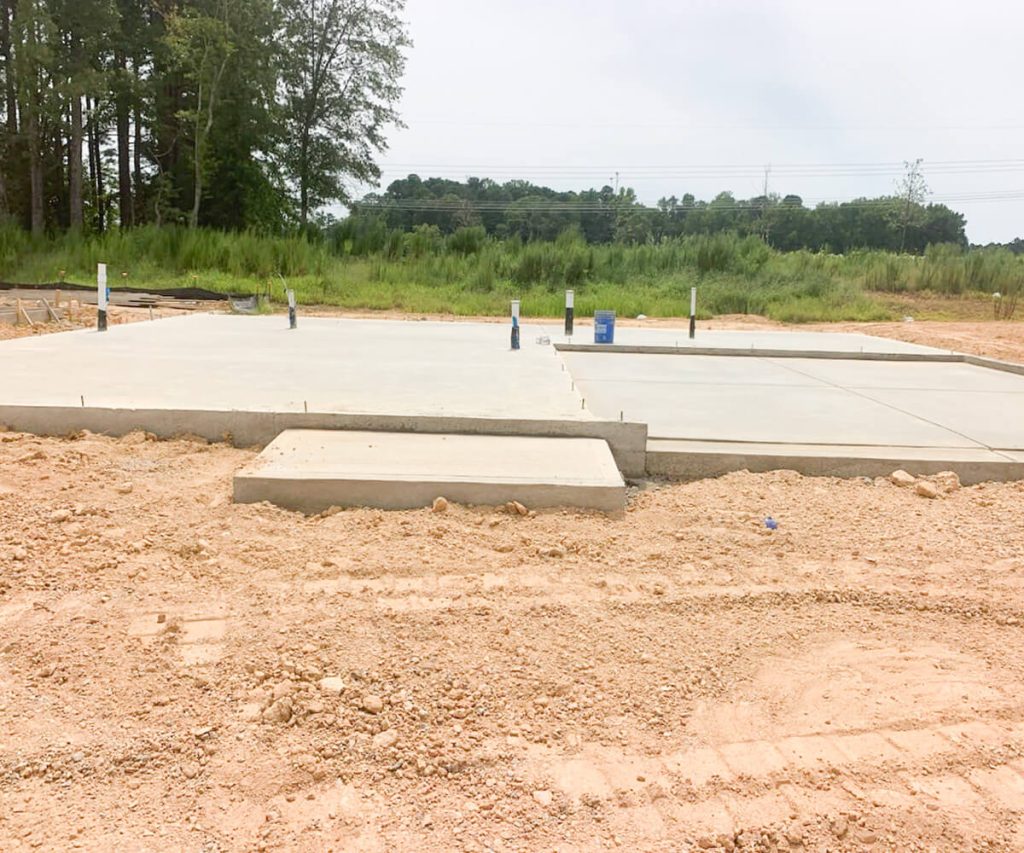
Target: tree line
223,113
520,209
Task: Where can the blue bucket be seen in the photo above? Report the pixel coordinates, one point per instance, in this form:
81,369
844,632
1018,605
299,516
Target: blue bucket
604,327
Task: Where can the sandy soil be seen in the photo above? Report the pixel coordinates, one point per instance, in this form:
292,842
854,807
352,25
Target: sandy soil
84,318
180,673
1002,340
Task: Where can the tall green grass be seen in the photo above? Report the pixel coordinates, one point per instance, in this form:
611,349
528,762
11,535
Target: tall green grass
468,273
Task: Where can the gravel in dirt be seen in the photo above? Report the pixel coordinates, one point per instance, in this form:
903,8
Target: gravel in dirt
181,673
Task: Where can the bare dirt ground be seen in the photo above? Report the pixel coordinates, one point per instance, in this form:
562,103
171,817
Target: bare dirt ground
84,318
181,673
1002,340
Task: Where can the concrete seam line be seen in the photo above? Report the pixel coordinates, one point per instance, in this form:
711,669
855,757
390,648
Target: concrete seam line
742,442
864,396
724,352
729,352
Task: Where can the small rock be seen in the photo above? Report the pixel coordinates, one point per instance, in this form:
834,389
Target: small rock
279,712
557,552
137,437
440,505
332,684
795,835
125,488
902,478
190,770
926,490
866,836
706,842
60,515
251,712
840,827
19,553
948,481
543,798
503,548
516,507
372,704
384,740
282,689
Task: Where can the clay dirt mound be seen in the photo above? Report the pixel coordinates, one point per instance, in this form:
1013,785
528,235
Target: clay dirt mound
177,672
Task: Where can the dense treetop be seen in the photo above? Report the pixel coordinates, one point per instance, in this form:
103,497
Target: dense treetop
529,212
226,113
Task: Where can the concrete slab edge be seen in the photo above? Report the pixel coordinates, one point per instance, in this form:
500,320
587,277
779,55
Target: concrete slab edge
995,364
628,441
683,464
312,496
763,353
935,358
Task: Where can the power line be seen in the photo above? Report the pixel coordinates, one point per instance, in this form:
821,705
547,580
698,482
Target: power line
527,123
897,163
720,172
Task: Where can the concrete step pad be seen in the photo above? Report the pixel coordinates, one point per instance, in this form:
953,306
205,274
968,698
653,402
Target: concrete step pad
311,470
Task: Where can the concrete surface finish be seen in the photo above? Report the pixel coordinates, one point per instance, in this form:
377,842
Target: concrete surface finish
311,470
850,342
252,377
220,362
804,401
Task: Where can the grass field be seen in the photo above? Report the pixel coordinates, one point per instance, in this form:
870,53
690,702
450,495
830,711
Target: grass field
467,274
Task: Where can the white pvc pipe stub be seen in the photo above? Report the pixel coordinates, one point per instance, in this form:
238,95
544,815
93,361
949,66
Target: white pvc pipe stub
101,297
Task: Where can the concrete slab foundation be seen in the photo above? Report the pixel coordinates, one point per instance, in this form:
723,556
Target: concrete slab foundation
727,400
209,361
806,401
249,378
311,470
710,414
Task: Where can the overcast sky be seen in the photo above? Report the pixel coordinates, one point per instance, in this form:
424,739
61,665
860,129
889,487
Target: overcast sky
675,95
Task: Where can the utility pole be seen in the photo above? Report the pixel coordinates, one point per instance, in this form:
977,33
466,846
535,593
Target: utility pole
765,227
